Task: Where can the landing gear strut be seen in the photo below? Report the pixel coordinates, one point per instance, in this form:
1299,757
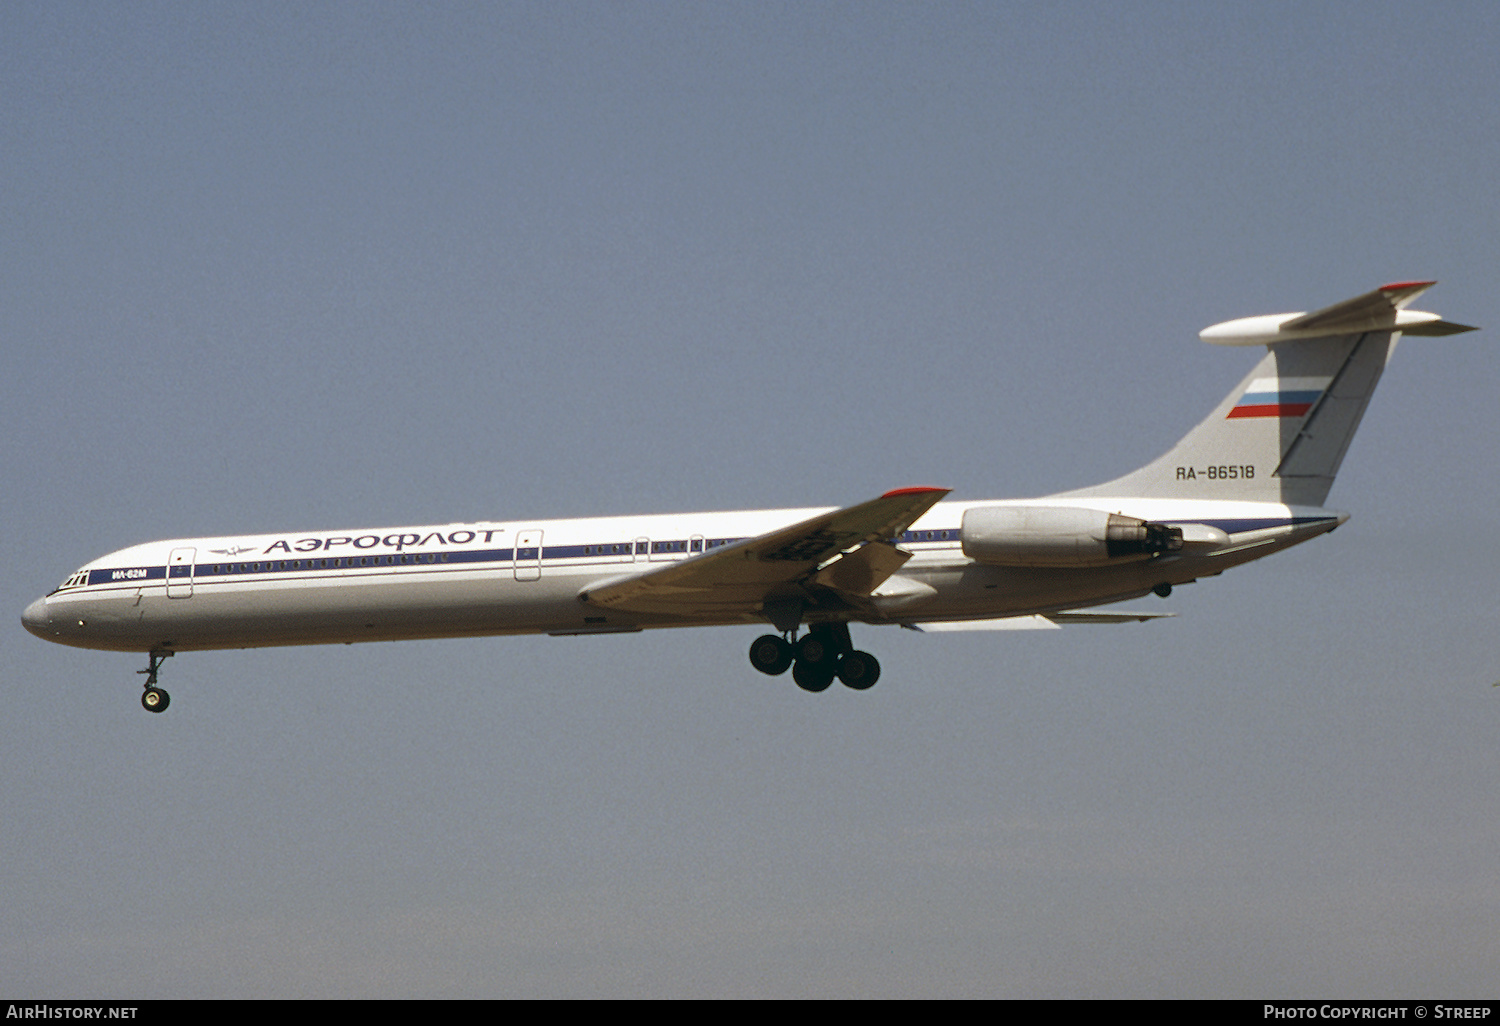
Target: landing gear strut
155,699
823,653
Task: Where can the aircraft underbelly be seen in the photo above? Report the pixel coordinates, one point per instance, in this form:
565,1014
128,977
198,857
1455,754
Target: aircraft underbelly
275,613
265,614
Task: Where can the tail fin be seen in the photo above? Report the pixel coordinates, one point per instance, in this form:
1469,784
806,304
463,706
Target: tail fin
1282,433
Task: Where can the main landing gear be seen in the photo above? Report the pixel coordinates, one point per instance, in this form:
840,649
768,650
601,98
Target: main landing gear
823,653
155,699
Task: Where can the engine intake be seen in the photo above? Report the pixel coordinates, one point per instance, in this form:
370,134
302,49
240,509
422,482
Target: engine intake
1061,536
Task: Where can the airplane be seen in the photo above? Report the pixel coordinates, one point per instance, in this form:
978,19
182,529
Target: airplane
1248,481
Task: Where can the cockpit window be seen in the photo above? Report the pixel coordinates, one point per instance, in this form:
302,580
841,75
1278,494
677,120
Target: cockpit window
78,580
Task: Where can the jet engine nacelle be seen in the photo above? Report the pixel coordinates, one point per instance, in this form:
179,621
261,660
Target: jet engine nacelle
1061,536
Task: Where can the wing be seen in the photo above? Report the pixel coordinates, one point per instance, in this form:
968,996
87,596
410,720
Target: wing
830,559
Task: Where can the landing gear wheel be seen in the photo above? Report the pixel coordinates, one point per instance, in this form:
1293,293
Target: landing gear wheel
810,677
815,649
155,699
1163,589
771,655
859,670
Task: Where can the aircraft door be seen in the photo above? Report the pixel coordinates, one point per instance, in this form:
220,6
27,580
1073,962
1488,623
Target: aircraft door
180,573
528,555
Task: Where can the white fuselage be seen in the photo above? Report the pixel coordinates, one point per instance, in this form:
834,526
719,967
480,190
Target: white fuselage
462,580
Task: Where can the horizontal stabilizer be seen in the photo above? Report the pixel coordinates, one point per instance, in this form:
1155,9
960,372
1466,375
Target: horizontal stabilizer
1437,328
1381,310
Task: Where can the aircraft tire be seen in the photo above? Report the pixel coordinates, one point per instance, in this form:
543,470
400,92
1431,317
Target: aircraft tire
811,678
155,700
859,670
771,655
814,650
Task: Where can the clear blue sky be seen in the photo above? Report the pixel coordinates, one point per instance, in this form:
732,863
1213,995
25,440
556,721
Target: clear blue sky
291,267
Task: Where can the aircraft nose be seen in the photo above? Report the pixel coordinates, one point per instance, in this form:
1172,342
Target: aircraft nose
36,620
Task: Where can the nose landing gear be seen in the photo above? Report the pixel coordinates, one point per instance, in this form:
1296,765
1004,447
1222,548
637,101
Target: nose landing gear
824,653
155,699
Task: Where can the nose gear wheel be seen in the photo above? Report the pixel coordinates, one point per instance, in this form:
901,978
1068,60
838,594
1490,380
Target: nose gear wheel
155,699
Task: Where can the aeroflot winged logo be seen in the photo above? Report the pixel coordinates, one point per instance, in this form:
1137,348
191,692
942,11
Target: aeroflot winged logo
233,550
1279,397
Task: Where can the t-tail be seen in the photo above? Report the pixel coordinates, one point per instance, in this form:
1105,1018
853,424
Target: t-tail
1281,435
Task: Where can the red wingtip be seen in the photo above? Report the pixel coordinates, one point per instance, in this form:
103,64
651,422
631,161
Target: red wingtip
918,490
1395,285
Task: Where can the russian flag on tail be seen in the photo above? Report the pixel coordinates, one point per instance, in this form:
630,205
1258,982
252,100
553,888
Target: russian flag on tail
1279,397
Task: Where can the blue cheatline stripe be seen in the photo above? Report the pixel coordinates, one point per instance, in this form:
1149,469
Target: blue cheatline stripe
612,551
127,574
